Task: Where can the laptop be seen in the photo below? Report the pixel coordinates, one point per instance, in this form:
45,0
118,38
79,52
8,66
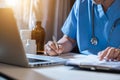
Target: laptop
11,47
92,63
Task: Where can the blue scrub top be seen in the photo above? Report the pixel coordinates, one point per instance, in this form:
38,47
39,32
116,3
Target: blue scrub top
78,26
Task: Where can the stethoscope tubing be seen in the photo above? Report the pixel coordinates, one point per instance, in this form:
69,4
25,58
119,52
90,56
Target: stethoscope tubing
94,39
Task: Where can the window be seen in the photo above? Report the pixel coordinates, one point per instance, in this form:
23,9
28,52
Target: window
21,10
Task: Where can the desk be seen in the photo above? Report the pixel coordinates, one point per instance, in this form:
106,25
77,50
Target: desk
60,72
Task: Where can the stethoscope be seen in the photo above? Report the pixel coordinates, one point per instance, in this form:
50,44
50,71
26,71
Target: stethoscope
94,40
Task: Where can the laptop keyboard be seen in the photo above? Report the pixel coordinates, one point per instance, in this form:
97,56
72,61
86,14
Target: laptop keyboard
35,60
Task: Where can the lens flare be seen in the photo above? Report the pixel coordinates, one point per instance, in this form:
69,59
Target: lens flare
11,3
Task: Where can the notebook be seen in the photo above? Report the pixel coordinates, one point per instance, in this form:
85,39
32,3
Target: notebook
11,47
92,62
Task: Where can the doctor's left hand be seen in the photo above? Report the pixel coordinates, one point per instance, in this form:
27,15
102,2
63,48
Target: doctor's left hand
110,54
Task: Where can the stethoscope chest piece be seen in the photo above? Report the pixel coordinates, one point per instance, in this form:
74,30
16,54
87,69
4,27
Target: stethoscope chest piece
94,41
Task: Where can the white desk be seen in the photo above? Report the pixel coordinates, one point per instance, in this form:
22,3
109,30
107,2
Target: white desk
60,72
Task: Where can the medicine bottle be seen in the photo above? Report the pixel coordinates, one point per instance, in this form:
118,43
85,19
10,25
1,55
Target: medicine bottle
38,34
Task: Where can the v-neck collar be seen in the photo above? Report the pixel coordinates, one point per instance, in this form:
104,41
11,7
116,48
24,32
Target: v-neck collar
109,13
100,10
101,14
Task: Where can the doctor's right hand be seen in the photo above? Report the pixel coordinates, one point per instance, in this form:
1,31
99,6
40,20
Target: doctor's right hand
53,49
110,54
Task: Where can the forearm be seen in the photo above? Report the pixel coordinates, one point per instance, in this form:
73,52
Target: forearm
67,43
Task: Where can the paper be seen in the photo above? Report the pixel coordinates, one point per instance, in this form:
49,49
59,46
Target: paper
93,60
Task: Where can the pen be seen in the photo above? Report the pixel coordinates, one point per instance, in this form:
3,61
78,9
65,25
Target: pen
55,42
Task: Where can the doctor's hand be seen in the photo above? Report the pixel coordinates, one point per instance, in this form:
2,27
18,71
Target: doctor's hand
53,49
110,54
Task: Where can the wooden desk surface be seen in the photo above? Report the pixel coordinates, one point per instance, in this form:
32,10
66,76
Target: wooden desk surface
55,73
60,72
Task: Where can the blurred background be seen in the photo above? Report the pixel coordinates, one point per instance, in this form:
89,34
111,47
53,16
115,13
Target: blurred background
52,14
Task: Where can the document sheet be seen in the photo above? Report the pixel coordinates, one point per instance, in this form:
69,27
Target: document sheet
92,60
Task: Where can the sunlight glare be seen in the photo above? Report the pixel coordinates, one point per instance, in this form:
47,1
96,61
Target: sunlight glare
11,3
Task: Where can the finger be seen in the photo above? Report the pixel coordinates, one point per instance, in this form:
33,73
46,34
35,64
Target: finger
52,45
50,51
116,54
103,53
45,53
60,49
110,54
46,49
118,58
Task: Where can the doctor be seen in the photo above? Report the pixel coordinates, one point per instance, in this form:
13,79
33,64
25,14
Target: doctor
93,25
